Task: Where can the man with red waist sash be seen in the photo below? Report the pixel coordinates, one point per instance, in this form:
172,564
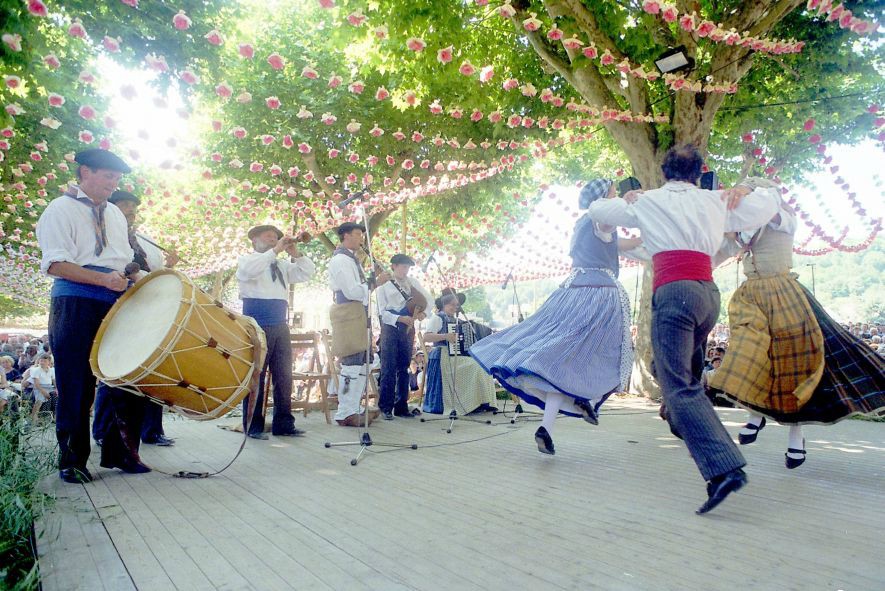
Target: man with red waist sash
682,228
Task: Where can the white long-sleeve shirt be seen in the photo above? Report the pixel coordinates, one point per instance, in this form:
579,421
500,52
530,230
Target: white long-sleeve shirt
66,234
390,300
680,216
344,277
256,281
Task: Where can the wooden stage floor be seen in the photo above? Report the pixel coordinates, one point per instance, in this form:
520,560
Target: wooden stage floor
477,509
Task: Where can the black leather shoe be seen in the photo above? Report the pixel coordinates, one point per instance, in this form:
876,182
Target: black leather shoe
261,436
75,475
544,441
388,416
405,414
293,433
747,439
722,486
129,466
587,410
161,441
791,463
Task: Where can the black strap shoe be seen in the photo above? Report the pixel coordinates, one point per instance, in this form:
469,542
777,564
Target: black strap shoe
746,439
388,416
794,462
75,475
293,433
587,411
544,441
261,436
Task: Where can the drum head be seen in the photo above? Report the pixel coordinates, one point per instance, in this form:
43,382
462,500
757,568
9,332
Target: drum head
139,326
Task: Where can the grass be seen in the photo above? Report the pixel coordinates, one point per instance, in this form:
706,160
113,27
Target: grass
24,461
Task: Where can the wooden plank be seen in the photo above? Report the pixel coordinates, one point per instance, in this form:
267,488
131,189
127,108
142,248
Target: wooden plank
480,508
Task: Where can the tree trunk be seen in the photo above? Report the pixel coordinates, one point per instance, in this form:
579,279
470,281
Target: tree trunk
642,381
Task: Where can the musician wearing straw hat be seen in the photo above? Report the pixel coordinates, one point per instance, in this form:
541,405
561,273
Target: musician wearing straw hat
264,280
85,248
398,335
149,257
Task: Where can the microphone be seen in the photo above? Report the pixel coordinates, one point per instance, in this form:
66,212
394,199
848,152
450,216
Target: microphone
426,264
507,280
351,199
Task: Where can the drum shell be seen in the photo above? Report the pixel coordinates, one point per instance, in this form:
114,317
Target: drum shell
204,365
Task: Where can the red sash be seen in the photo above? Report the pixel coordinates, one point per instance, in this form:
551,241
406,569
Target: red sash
681,265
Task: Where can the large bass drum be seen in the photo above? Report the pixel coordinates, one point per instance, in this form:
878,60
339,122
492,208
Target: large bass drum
168,340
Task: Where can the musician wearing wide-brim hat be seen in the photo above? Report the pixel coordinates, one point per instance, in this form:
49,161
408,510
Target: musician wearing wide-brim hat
401,301
264,280
85,248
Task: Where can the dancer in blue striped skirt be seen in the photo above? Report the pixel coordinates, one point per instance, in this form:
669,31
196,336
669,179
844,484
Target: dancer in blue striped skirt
576,349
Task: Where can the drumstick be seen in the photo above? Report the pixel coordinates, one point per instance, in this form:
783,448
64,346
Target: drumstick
166,250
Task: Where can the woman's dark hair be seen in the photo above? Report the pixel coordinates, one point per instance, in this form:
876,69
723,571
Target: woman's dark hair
683,163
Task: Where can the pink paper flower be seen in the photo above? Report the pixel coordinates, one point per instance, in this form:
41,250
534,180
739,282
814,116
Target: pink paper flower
435,107
381,94
353,158
607,58
275,170
132,3
506,10
390,160
376,131
189,77
287,142
294,172
444,55
86,77
76,29
572,43
651,6
705,28
476,115
11,81
356,87
156,63
333,153
14,109
335,81
214,37
809,125
670,14
180,21
555,33
398,135
814,139
408,164
276,61
224,90
304,148
496,116
272,102
514,121
246,50
467,68
86,137
86,112
56,100
510,84
267,139
51,61
372,160
309,72
456,113
531,24
327,3
486,74
528,89
111,44
357,18
216,157
416,44
328,118
104,144
37,8
686,23
238,132
13,41
410,98
256,167
381,32
417,137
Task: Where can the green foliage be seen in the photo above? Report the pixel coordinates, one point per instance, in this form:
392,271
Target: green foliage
24,461
11,309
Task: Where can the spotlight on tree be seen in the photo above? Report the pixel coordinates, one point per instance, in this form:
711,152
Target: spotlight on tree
674,60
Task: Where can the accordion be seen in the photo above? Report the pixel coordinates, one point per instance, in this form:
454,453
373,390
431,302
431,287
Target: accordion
467,333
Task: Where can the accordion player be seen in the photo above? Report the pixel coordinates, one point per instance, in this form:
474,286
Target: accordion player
467,332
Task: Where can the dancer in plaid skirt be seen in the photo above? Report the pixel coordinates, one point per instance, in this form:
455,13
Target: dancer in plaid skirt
787,359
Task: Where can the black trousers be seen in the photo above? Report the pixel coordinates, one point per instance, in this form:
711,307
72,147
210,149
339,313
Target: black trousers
279,362
396,354
73,323
683,313
103,418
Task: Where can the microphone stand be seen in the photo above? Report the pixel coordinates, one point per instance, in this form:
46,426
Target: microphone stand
453,415
518,411
365,440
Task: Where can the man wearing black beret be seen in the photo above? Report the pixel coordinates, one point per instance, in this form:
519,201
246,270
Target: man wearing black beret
86,248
